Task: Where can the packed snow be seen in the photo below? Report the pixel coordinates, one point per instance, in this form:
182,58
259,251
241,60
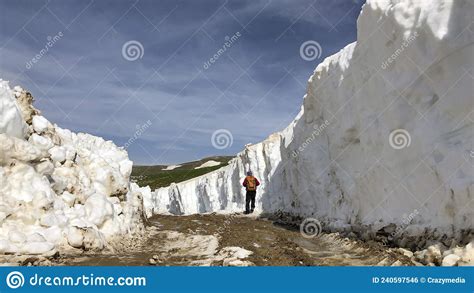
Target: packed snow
59,189
210,163
410,70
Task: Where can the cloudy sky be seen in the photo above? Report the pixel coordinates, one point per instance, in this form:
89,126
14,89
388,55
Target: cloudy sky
140,72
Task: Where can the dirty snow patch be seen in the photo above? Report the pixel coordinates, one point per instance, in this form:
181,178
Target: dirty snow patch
203,249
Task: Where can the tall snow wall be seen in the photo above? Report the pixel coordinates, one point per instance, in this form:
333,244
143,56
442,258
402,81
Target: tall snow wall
383,139
60,190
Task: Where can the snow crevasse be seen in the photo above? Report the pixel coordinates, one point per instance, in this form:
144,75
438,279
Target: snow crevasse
410,69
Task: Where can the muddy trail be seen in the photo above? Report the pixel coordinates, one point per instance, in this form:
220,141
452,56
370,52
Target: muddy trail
237,240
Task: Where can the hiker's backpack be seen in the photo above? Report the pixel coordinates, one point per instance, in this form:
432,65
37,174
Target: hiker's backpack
251,183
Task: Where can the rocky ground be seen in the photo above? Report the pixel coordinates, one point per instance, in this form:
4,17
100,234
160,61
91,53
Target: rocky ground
237,240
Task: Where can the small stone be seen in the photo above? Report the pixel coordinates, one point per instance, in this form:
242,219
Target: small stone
397,264
152,261
75,237
416,263
390,229
45,263
383,262
458,251
433,254
467,258
406,252
420,254
28,261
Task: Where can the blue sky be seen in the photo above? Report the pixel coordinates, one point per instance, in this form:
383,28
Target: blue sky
164,104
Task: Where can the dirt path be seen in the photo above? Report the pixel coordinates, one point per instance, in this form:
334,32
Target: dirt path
239,240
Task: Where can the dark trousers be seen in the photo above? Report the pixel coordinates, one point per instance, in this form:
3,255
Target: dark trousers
250,200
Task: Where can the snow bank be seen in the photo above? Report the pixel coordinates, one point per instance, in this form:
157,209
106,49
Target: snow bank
210,163
410,70
57,188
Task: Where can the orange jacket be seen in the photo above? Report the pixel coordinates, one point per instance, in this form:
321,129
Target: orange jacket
257,183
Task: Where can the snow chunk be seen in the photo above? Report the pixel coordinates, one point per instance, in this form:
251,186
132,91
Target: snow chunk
450,260
40,124
45,168
98,209
11,121
37,247
12,148
75,237
58,154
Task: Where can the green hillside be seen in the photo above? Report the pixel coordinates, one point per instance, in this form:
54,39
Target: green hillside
156,177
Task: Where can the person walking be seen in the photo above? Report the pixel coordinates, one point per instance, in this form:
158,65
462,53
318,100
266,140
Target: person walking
250,183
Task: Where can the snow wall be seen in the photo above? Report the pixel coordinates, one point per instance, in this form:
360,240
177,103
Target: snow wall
383,139
59,189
